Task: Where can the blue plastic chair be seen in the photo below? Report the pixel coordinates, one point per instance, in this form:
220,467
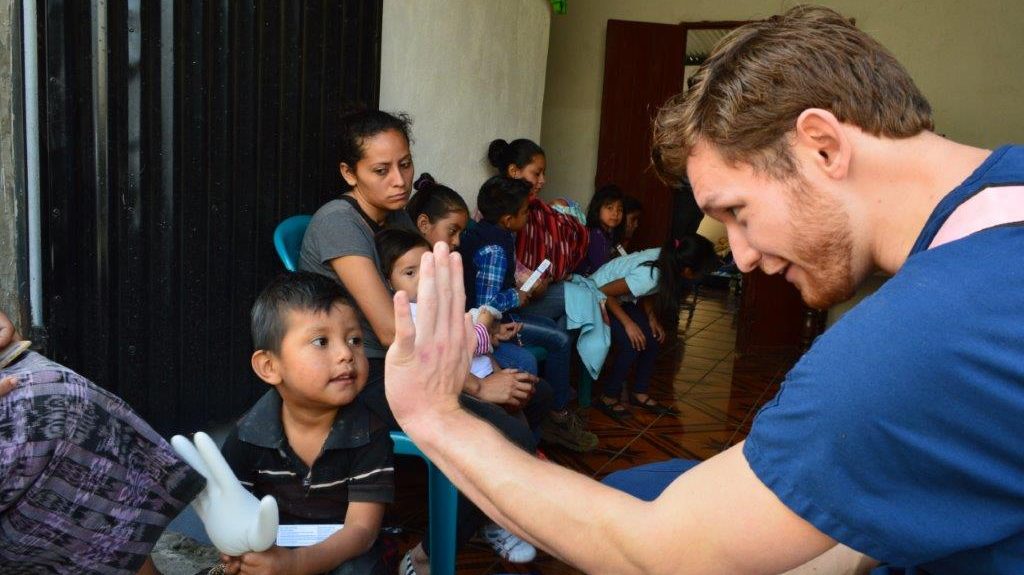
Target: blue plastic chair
443,498
288,240
443,505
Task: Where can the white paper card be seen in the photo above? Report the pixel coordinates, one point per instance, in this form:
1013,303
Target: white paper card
528,284
304,535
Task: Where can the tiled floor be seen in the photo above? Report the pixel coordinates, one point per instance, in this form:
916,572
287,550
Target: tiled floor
716,391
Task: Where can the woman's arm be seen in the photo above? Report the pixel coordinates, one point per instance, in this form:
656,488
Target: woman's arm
360,277
652,318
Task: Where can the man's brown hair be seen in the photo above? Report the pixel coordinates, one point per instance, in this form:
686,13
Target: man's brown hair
746,97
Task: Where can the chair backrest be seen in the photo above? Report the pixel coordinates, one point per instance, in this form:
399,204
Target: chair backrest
288,240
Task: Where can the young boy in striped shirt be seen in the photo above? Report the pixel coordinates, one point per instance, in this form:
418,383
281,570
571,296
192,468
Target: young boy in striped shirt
308,442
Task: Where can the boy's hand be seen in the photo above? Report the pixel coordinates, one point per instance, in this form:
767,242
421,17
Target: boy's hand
540,287
273,561
428,362
509,330
524,298
235,520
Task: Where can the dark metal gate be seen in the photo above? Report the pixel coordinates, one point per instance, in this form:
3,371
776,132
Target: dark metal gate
175,135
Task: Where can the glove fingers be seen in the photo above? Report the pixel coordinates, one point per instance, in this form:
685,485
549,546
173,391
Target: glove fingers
220,471
263,533
188,452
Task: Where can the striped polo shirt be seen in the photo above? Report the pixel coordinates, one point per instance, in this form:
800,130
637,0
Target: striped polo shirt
355,464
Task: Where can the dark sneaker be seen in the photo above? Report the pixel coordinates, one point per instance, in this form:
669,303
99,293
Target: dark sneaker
566,429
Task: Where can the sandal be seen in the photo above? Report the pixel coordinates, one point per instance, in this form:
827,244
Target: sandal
653,406
613,409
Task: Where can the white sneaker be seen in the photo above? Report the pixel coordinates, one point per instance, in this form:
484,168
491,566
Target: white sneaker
507,545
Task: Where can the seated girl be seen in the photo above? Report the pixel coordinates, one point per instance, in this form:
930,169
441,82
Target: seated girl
604,216
641,295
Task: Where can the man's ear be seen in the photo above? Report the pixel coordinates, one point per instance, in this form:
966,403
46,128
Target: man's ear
265,364
423,223
347,173
820,133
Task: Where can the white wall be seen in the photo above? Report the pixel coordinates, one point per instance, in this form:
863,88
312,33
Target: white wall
967,58
467,71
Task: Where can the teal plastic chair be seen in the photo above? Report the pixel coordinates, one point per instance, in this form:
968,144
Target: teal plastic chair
443,505
288,240
443,497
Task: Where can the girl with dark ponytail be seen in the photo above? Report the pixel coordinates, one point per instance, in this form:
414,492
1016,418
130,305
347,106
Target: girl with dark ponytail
439,212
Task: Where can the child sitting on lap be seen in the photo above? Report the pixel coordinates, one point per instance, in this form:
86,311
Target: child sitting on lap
400,253
324,456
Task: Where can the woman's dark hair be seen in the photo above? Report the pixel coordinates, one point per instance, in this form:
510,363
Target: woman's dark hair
693,252
519,153
291,291
434,200
393,243
604,195
501,196
356,126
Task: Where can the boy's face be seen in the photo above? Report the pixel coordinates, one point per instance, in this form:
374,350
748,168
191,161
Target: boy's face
322,363
518,221
405,273
632,223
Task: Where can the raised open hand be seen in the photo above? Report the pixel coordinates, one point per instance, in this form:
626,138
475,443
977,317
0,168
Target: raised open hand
428,362
235,520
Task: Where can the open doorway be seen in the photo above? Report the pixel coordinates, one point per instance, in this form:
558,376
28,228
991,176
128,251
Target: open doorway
645,64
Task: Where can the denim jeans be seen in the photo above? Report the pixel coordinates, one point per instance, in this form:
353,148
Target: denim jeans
550,305
544,332
626,356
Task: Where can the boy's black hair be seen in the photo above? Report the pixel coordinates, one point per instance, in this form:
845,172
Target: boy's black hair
434,200
392,243
630,205
693,252
501,196
604,195
302,291
518,153
356,125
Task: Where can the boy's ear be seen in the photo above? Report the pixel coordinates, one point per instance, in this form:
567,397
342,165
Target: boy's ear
265,365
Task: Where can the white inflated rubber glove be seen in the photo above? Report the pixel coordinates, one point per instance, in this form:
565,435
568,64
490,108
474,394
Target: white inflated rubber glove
235,520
